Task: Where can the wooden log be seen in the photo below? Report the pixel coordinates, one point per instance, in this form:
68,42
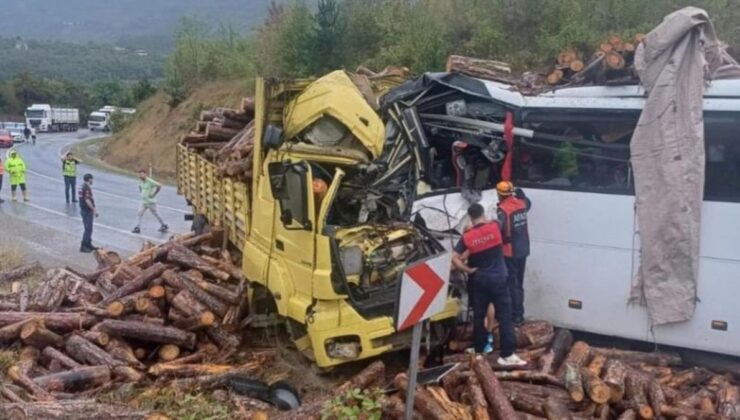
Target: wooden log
574,382
51,353
424,403
196,322
576,66
73,410
105,283
500,405
597,364
79,290
84,351
98,337
392,407
195,138
168,352
16,375
534,334
56,321
19,272
244,116
216,132
373,374
606,47
51,292
595,388
149,332
476,399
728,399
479,68
534,406
614,60
125,305
693,376
181,255
677,412
555,77
656,397
156,292
12,332
529,376
224,339
566,57
591,70
27,359
638,357
136,284
10,395
577,357
614,376
556,410
183,371
628,415
75,380
35,334
636,397
121,350
146,307
187,305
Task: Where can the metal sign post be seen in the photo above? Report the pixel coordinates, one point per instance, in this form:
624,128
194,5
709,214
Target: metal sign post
413,370
422,293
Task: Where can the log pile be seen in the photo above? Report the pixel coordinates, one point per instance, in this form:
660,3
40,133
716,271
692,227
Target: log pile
563,380
610,63
226,137
170,311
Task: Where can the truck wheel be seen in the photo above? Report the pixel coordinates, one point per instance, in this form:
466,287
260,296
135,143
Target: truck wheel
200,224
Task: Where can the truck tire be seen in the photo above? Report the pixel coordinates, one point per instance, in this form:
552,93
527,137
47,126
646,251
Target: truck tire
200,224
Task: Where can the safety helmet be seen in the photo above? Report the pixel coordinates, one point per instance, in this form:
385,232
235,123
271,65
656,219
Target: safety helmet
505,188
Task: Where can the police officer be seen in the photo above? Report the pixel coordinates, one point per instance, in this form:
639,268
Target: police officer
487,276
69,170
513,206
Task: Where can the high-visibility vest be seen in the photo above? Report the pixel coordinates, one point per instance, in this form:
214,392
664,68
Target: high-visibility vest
69,168
516,232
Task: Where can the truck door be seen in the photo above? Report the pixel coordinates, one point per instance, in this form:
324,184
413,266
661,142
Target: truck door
293,249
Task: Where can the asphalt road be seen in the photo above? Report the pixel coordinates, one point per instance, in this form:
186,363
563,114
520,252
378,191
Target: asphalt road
49,229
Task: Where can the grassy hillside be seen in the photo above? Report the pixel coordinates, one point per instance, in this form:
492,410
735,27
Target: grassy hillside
151,138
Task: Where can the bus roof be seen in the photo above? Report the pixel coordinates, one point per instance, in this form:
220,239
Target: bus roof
720,95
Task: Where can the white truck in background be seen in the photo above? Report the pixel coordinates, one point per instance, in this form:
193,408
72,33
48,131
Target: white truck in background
44,118
101,119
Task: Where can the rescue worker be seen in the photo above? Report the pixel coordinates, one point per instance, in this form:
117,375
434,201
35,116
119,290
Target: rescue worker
149,188
512,210
69,170
16,168
88,211
486,272
2,171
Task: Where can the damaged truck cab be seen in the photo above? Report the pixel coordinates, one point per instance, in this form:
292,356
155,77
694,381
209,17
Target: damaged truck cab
323,245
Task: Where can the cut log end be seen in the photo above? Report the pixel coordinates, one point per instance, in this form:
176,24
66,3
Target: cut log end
169,352
157,292
115,309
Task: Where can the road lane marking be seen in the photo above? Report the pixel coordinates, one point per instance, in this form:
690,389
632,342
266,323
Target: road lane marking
97,191
111,228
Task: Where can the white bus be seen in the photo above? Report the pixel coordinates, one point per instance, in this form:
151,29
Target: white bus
583,230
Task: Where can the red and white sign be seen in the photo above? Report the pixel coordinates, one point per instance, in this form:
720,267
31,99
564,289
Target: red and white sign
423,290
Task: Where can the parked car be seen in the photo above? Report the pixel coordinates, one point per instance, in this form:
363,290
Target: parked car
16,130
6,139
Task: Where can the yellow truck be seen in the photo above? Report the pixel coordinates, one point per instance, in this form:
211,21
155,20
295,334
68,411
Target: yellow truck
323,228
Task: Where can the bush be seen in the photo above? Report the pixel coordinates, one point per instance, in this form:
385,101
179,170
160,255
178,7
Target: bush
355,404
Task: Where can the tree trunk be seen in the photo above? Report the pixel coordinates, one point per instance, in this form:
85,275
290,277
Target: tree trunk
216,132
614,375
561,344
148,308
556,410
16,375
168,352
727,401
149,332
577,357
75,380
628,415
500,405
479,68
636,398
121,350
529,376
374,374
476,399
656,397
183,371
211,302
18,273
125,305
424,403
574,382
140,282
195,138
534,334
51,353
11,332
27,359
638,357
56,321
105,284
196,322
595,388
597,365
51,292
225,340
72,410
98,337
393,407
185,257
84,351
35,334
157,292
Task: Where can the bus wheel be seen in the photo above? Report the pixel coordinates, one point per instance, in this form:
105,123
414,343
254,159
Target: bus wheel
200,224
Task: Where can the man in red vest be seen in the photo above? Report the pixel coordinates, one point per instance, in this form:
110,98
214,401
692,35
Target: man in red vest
513,206
487,276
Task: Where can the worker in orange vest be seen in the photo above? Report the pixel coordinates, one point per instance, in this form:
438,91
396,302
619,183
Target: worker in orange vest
513,207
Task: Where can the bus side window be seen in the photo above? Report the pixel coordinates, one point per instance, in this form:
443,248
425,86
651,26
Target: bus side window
576,151
722,140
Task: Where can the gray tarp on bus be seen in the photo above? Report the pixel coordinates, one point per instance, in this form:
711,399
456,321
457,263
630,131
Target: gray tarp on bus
667,154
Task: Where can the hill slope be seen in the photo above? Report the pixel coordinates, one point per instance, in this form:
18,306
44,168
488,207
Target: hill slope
151,137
